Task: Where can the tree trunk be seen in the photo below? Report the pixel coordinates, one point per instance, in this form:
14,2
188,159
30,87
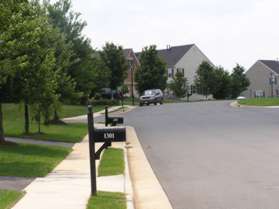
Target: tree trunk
26,117
2,138
56,116
39,124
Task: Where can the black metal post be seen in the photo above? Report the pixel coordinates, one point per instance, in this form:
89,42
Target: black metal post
90,119
106,115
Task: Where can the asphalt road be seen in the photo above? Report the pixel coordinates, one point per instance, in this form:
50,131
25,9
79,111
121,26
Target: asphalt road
212,156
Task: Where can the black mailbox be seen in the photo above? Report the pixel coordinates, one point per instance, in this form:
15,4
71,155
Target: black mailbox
110,134
113,121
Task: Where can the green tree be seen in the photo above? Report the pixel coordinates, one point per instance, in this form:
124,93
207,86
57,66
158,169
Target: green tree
205,80
81,67
239,81
179,85
114,60
32,39
10,60
152,73
222,87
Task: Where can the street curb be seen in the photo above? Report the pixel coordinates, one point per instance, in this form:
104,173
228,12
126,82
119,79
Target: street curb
147,190
237,105
128,182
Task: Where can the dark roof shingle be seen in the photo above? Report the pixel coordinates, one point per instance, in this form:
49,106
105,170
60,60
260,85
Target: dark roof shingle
272,64
172,55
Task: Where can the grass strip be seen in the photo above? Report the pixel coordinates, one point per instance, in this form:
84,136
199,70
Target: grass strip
112,162
9,198
107,200
260,102
24,160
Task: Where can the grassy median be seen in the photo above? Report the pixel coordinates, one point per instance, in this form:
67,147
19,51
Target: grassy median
24,160
112,162
260,102
9,198
107,200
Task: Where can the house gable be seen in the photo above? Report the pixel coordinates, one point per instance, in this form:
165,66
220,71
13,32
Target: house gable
259,76
172,55
190,62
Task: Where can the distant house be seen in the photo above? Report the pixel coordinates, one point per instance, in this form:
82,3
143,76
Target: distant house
133,64
263,76
186,59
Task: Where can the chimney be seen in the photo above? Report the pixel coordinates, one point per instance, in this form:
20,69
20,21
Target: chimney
168,47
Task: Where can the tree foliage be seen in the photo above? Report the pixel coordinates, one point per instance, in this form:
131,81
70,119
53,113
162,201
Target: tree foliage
204,80
219,82
179,85
239,81
152,73
222,80
114,60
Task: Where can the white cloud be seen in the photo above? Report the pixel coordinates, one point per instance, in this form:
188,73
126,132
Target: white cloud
228,32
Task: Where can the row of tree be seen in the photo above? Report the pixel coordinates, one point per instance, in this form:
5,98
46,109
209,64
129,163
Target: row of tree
219,83
213,81
45,60
210,80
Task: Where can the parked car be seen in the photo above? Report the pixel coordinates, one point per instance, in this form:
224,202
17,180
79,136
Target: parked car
152,96
240,98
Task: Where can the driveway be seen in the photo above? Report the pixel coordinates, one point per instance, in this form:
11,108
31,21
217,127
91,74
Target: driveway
212,156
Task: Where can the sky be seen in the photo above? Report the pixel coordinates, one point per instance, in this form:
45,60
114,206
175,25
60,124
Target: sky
228,32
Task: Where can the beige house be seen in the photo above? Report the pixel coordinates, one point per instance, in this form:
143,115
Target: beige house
263,76
186,59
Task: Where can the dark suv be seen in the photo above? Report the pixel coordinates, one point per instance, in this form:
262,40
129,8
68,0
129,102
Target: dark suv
152,96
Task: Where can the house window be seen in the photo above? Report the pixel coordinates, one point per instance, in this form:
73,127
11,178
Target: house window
181,70
193,89
170,73
259,93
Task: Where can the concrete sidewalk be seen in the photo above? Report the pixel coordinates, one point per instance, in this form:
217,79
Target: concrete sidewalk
83,118
38,142
68,186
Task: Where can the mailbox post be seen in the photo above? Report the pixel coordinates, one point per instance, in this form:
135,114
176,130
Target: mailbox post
106,135
92,151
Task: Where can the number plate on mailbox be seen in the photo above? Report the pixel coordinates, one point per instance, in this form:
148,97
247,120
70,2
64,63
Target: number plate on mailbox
110,134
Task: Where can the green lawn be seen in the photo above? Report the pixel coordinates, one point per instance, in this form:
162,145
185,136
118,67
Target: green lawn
107,200
260,102
14,125
24,160
112,162
9,198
